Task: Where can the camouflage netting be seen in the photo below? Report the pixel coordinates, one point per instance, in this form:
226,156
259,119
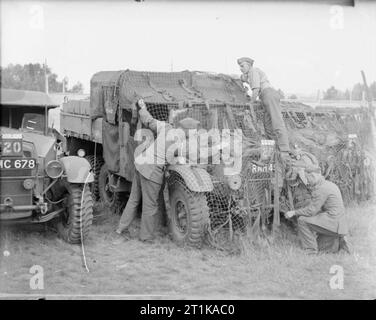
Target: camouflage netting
218,101
340,140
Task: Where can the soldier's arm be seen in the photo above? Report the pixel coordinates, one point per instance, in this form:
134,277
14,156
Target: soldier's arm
255,83
255,93
318,199
148,120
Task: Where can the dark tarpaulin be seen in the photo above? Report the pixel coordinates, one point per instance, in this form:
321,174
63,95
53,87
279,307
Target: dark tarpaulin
111,149
98,83
110,89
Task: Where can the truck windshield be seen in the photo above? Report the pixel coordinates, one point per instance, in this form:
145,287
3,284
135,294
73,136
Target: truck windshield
33,122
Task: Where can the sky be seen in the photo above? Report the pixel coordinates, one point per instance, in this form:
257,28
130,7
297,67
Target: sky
302,47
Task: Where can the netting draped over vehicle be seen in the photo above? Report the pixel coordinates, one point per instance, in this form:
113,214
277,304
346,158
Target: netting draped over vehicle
219,102
340,140
110,89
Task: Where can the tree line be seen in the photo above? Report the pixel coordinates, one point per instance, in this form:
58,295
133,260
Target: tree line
31,76
356,93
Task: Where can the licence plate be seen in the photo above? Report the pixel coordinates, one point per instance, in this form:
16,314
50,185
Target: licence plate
23,163
11,147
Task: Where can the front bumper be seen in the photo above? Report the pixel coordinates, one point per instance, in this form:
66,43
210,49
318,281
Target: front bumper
17,211
14,213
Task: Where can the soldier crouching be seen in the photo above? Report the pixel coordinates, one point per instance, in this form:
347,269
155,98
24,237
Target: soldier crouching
322,224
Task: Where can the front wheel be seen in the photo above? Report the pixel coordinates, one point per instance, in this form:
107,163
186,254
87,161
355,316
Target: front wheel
75,223
189,215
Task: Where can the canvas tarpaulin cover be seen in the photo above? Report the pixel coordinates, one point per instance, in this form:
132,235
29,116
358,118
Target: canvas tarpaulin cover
111,150
99,82
113,89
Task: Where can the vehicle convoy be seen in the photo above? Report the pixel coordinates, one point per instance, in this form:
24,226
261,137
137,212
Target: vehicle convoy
204,199
38,181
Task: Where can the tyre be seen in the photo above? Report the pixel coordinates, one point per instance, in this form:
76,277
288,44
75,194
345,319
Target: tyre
96,162
114,200
75,223
189,215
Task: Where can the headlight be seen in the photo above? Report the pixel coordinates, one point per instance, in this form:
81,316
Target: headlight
81,153
234,181
54,169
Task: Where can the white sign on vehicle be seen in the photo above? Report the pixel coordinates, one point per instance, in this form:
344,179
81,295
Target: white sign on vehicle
11,136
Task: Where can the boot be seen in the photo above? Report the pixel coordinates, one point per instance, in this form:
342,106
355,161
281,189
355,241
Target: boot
344,245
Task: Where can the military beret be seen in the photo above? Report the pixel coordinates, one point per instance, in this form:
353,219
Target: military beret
245,59
189,123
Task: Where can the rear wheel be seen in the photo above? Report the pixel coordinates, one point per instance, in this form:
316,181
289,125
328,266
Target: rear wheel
75,223
189,215
114,200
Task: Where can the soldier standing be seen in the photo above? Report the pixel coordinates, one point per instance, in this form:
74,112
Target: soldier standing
255,80
149,176
321,224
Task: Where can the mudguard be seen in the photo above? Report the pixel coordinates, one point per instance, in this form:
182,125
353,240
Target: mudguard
77,169
196,179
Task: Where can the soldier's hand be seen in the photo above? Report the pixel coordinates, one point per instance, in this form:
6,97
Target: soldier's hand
141,104
289,214
247,89
286,158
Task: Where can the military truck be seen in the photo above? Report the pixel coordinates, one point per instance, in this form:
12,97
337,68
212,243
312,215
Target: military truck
203,199
38,181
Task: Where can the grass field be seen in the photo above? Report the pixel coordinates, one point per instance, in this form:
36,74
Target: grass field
163,270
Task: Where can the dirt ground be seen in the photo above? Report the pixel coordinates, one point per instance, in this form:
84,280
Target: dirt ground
165,271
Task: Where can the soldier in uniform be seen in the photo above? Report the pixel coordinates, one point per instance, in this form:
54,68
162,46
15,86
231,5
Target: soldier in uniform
258,85
149,176
321,225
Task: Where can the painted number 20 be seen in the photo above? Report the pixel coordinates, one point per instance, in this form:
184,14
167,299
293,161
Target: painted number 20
10,147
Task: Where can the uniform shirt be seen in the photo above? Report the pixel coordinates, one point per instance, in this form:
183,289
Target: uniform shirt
256,78
326,208
152,166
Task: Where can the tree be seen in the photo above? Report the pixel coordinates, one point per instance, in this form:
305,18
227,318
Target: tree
77,88
293,96
332,94
372,89
281,94
30,76
347,94
53,84
357,92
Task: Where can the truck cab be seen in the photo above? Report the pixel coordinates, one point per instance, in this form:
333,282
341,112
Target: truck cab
37,179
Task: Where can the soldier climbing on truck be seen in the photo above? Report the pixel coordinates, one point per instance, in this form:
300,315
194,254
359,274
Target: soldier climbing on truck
258,86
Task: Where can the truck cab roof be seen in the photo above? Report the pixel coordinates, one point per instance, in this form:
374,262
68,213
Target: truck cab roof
24,98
